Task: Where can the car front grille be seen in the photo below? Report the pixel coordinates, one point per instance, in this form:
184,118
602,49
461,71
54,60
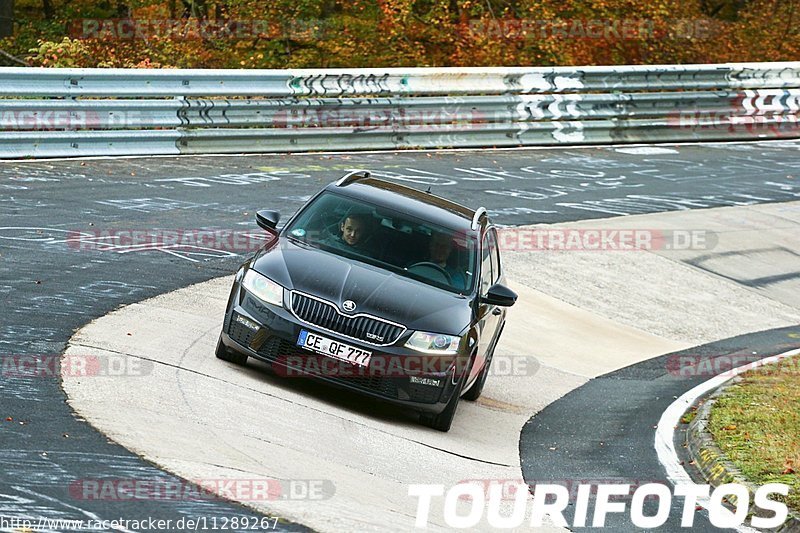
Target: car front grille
361,327
277,349
283,352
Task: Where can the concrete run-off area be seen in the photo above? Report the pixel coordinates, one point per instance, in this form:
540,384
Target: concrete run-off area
580,314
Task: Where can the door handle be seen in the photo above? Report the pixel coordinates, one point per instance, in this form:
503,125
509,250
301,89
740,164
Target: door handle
496,311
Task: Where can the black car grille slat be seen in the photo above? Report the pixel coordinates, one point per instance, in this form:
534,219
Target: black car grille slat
326,316
277,350
424,394
271,349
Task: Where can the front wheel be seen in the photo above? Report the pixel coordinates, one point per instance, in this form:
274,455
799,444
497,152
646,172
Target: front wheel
222,352
444,420
474,392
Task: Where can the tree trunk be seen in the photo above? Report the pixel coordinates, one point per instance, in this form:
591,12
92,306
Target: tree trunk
123,10
47,7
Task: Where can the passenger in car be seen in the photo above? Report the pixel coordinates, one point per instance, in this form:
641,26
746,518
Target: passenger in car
355,231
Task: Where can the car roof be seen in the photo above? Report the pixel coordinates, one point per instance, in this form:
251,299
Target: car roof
407,199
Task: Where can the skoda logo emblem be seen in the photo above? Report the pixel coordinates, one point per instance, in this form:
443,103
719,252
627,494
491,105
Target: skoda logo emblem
349,305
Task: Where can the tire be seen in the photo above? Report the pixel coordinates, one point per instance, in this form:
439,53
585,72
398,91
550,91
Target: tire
222,352
444,420
474,392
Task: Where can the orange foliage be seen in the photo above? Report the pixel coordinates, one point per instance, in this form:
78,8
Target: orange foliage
374,33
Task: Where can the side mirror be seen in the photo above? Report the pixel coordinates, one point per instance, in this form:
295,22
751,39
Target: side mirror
500,295
268,219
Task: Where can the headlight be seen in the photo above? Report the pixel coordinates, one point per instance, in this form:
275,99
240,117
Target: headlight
263,288
435,343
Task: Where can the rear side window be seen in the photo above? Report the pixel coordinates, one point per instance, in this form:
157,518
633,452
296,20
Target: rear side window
487,264
495,253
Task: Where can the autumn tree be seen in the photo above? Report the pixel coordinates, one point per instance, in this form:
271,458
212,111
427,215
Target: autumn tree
374,33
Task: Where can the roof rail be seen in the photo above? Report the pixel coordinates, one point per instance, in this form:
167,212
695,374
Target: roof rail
352,176
480,212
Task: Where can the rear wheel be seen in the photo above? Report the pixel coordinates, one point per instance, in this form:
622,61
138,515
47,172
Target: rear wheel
222,352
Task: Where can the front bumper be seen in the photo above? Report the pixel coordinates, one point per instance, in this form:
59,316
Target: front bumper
269,333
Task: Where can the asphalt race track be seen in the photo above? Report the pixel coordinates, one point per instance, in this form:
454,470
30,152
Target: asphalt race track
610,436
50,286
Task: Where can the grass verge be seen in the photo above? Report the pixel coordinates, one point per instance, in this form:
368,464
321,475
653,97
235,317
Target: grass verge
756,422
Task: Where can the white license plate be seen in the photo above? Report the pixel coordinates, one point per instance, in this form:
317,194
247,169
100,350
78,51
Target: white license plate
333,348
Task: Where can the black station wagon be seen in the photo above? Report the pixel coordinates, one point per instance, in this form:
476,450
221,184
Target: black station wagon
377,287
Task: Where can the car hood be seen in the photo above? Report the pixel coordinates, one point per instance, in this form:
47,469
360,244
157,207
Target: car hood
375,291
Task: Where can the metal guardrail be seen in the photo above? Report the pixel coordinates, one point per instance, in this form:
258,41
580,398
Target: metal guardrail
76,112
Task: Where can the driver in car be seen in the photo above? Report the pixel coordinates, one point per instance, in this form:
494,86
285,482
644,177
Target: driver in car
439,249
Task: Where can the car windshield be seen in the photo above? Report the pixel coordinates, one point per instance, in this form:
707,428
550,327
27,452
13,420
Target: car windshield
388,239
